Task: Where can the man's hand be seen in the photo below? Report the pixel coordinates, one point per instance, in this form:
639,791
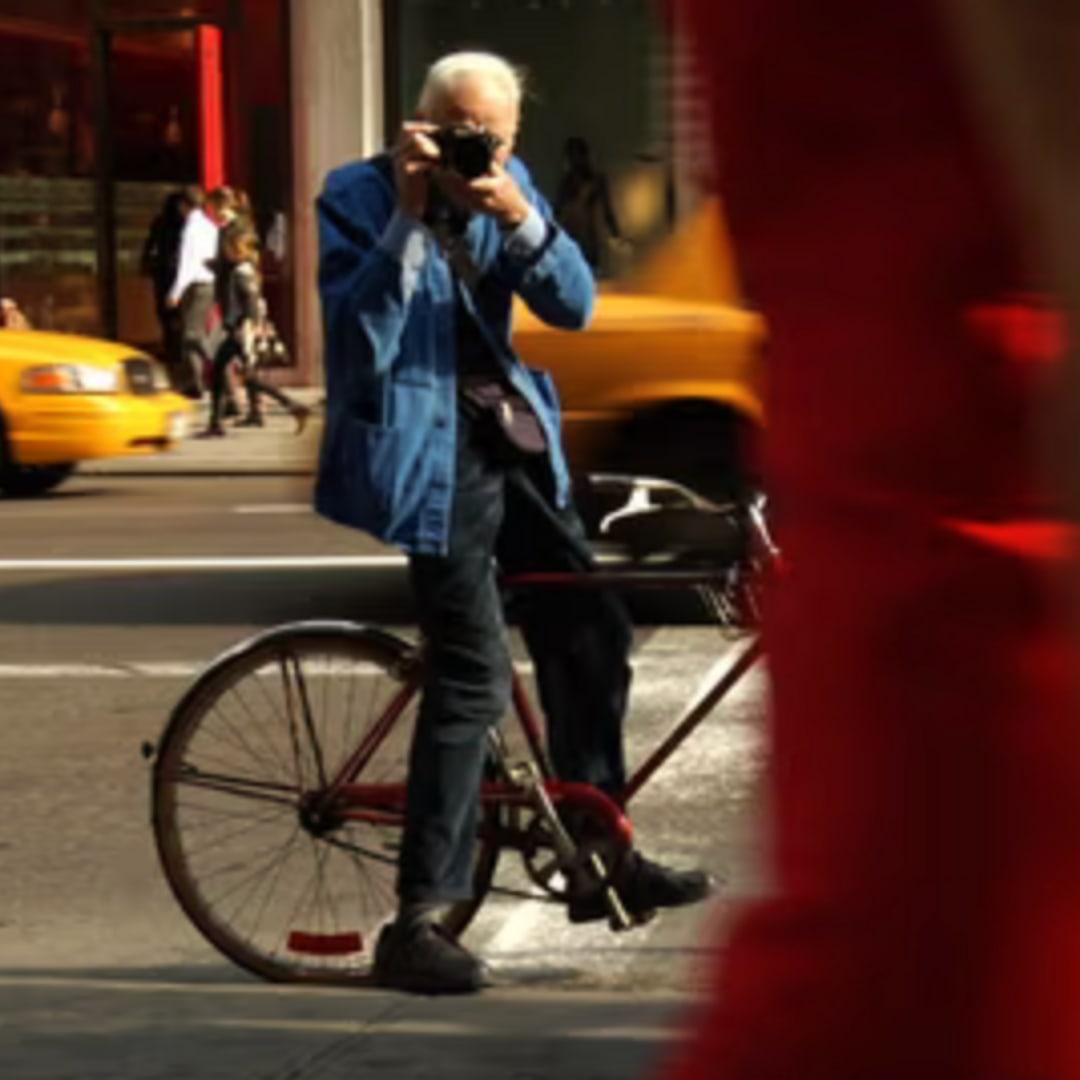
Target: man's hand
495,194
415,156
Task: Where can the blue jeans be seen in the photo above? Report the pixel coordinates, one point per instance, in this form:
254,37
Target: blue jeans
579,641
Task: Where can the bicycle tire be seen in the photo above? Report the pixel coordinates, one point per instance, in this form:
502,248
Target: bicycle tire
287,902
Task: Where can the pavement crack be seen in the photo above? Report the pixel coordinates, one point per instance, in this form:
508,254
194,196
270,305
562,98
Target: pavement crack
317,1063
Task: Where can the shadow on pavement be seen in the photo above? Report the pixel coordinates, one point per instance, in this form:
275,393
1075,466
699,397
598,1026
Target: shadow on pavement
168,1023
201,598
253,597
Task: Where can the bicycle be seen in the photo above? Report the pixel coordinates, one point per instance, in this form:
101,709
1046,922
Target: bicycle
277,815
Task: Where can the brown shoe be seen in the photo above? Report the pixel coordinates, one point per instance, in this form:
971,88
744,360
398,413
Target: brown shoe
301,414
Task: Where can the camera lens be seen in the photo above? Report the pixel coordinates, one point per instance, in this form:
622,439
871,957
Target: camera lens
466,150
472,159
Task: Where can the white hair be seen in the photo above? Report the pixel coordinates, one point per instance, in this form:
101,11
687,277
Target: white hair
446,73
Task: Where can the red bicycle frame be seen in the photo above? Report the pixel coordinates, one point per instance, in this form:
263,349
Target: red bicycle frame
385,803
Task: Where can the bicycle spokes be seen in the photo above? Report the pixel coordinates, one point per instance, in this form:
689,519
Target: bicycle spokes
279,799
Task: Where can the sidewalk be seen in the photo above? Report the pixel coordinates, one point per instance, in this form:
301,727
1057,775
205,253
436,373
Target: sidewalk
188,1025
272,450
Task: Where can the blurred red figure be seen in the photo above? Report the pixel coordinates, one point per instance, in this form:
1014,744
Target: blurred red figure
924,781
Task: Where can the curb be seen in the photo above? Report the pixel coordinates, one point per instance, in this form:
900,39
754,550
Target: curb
273,451
127,471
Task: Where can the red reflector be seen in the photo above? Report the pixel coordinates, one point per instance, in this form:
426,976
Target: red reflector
326,944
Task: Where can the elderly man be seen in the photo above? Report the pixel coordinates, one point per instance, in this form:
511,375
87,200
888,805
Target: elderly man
419,264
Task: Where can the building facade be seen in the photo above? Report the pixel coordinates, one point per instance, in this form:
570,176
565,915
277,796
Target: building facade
109,105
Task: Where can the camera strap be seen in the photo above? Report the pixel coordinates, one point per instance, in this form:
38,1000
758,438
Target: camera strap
449,232
501,415
503,418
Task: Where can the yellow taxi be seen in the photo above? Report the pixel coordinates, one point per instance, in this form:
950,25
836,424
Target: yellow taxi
66,399
668,380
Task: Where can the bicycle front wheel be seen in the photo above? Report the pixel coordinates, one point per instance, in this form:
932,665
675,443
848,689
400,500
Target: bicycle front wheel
288,891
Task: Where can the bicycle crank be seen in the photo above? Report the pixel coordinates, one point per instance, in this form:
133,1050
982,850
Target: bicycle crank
563,866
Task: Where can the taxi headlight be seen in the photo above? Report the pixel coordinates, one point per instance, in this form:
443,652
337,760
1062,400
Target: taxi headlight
69,379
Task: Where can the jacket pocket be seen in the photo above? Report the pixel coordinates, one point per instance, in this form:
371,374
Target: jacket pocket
375,453
359,471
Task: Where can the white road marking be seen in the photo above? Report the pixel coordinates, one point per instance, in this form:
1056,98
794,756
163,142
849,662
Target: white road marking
64,671
222,562
274,508
186,669
209,562
163,669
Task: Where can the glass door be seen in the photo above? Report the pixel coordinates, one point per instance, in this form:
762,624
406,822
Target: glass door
155,150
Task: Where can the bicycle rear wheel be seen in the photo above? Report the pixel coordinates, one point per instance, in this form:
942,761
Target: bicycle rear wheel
286,893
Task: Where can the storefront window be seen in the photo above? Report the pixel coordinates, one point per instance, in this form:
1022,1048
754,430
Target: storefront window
148,80
598,72
47,158
204,10
261,157
153,91
72,14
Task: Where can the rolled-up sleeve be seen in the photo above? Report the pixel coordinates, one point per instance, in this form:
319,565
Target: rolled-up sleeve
408,241
545,267
528,240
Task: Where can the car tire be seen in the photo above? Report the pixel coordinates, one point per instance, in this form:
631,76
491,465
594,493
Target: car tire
697,444
26,481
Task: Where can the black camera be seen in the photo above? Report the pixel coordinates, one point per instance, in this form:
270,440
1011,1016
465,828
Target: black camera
467,150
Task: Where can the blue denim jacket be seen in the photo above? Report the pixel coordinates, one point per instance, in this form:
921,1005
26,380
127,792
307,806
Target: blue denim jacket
388,298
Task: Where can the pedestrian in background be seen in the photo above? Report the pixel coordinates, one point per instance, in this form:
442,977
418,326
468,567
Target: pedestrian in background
243,313
583,205
11,315
160,261
193,288
234,218
267,350
924,777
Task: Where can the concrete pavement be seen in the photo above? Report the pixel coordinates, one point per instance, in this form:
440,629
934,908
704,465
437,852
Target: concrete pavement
177,1025
115,995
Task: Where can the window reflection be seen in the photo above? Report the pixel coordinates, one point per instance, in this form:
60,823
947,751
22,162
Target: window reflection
210,10
50,231
47,160
155,123
46,111
620,109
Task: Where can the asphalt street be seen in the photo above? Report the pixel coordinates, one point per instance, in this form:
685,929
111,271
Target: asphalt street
113,594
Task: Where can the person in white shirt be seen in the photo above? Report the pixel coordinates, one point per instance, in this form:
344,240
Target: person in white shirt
193,288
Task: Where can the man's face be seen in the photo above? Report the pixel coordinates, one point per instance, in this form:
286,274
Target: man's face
479,102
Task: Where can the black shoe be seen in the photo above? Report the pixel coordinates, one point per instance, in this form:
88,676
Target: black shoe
212,432
231,409
644,886
251,420
422,958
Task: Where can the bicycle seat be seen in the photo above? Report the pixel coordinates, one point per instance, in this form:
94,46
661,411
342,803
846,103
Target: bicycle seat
693,535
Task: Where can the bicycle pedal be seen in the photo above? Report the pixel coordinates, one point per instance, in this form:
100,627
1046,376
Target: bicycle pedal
636,920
